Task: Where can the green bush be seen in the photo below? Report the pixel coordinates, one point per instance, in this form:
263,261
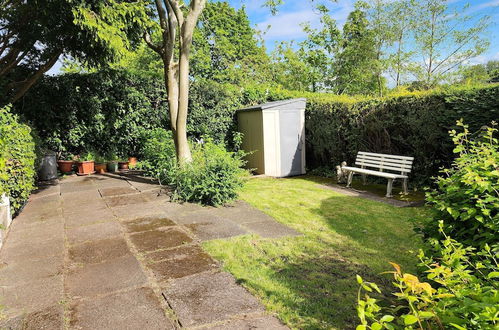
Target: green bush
17,166
413,124
212,178
110,111
158,155
466,198
461,292
105,112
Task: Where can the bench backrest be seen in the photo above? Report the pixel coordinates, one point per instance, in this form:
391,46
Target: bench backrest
382,162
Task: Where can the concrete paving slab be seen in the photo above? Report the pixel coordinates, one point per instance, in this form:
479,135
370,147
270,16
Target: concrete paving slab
207,298
50,318
22,270
126,200
136,309
81,196
47,189
174,253
104,278
270,229
134,211
153,240
251,323
188,213
93,232
188,264
117,191
32,296
76,187
219,228
94,209
89,218
34,232
98,251
241,212
148,223
17,250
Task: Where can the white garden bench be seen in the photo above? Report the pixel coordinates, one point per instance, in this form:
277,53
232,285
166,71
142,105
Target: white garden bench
382,163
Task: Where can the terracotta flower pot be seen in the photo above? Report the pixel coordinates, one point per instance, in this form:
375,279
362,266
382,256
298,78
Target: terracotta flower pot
65,166
86,167
123,165
132,161
100,167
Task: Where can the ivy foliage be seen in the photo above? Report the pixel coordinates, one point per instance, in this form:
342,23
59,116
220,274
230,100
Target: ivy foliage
17,163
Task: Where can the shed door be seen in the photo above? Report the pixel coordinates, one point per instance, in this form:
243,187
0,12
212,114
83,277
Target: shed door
291,142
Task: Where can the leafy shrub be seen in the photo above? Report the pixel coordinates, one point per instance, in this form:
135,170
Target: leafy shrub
461,292
158,155
106,111
17,166
110,110
212,178
467,197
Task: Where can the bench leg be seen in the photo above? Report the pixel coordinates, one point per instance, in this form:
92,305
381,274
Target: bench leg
364,179
349,181
404,184
389,187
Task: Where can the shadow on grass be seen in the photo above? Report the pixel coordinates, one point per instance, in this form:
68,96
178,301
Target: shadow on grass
321,290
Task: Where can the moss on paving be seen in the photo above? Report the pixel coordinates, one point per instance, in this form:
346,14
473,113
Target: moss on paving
309,281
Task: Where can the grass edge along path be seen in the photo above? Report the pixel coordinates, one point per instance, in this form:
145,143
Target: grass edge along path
309,281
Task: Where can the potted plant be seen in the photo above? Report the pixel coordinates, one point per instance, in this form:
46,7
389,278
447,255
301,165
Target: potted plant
132,161
123,165
100,164
112,162
86,164
65,163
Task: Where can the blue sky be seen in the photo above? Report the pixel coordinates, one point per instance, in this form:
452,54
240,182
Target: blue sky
286,24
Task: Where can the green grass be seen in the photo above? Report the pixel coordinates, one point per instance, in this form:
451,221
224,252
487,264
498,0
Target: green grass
309,281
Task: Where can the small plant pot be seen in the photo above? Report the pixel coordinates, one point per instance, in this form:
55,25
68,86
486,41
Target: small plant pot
132,161
86,167
123,165
112,166
65,166
100,168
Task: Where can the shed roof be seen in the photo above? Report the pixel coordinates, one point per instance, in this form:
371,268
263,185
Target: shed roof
274,104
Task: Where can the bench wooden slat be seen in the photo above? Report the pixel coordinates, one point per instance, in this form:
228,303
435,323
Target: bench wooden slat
376,173
384,166
385,155
385,159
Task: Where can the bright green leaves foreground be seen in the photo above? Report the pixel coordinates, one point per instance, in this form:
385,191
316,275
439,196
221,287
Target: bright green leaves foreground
309,281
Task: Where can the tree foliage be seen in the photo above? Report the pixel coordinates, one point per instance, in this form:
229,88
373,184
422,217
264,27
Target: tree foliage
34,34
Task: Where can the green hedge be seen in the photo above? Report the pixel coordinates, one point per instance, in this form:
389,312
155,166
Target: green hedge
17,164
415,124
102,112
109,111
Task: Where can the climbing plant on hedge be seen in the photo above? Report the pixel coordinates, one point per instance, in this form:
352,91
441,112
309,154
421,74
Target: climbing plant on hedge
17,168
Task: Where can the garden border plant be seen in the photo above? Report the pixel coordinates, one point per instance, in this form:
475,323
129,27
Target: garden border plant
17,167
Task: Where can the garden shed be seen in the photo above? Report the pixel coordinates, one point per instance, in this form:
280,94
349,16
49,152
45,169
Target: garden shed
274,135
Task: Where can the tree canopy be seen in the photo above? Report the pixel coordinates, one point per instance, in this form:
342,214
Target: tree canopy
35,33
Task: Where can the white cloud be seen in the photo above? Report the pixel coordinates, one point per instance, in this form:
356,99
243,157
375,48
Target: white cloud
286,25
482,59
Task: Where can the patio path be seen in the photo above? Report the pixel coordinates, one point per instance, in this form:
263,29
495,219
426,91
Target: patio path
110,252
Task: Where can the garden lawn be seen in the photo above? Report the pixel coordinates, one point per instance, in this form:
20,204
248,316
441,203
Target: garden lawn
309,281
